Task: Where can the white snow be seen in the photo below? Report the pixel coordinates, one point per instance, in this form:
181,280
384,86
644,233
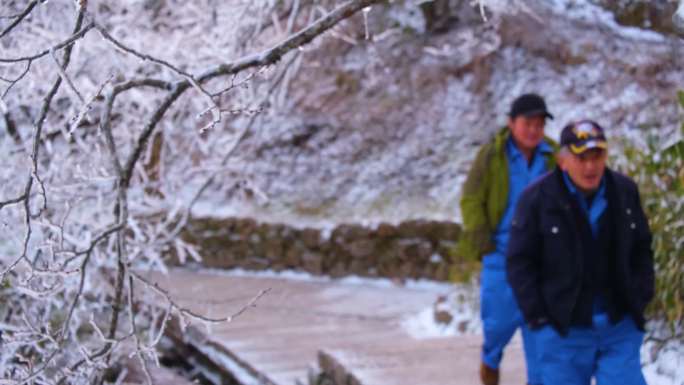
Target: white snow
350,280
462,304
585,10
668,366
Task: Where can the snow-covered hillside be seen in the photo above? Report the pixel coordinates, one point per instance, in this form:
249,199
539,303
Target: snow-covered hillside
385,129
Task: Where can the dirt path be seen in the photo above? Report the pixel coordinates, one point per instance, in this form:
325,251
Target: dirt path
351,330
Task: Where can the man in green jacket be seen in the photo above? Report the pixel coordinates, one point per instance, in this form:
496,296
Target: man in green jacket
518,155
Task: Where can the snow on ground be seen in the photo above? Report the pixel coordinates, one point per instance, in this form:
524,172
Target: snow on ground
461,308
437,287
586,10
668,367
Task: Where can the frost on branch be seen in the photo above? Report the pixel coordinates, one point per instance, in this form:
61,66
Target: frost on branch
115,118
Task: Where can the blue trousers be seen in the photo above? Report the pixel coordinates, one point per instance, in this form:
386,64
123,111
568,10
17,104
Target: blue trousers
501,317
610,353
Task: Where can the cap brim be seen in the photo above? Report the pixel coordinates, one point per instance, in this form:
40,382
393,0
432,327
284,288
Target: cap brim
533,113
590,145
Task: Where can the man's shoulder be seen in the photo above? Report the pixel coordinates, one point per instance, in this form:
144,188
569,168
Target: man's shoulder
622,181
545,184
496,140
534,193
532,201
488,146
624,185
489,150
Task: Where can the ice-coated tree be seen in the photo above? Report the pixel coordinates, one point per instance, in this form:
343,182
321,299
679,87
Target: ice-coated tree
115,116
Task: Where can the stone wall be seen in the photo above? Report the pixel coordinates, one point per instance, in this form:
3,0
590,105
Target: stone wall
412,249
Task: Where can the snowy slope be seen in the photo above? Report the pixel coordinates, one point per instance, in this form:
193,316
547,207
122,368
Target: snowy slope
386,130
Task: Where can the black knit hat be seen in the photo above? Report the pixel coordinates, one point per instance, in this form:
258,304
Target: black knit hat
583,135
529,105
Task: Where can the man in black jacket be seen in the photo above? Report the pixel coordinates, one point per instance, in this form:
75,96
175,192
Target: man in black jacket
580,264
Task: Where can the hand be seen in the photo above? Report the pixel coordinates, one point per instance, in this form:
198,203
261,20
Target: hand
538,323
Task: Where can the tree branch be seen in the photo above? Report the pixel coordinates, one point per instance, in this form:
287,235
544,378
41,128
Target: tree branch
90,362
12,82
20,17
264,58
273,55
37,130
78,34
185,311
84,266
190,78
105,121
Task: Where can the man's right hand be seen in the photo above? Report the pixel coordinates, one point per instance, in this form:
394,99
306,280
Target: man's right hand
537,323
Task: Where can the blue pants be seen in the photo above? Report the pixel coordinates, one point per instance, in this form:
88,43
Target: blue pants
610,353
501,317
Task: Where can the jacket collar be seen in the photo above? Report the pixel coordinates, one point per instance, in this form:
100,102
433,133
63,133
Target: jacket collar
570,185
548,145
555,187
514,152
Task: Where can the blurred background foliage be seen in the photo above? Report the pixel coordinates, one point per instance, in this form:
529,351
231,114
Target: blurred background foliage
657,165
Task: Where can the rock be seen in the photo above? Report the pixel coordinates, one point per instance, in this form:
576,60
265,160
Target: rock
418,251
463,326
258,264
428,271
413,229
312,263
338,270
359,267
362,248
389,251
293,256
275,230
347,232
442,272
274,249
443,317
386,230
246,227
407,270
446,231
311,238
278,266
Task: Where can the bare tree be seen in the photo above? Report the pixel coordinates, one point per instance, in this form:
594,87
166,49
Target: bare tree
112,111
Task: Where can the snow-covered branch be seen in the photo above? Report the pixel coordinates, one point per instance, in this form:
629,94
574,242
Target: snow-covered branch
19,17
109,121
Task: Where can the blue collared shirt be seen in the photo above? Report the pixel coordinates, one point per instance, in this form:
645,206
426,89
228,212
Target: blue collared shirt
520,175
598,204
593,213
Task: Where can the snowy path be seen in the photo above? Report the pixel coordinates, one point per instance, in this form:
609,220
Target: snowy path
355,328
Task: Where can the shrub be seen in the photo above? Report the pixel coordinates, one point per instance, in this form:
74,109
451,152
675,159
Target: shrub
659,172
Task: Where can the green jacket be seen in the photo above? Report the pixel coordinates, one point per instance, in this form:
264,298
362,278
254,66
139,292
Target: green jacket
485,195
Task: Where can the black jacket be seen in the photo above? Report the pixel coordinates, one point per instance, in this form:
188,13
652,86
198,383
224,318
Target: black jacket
545,261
